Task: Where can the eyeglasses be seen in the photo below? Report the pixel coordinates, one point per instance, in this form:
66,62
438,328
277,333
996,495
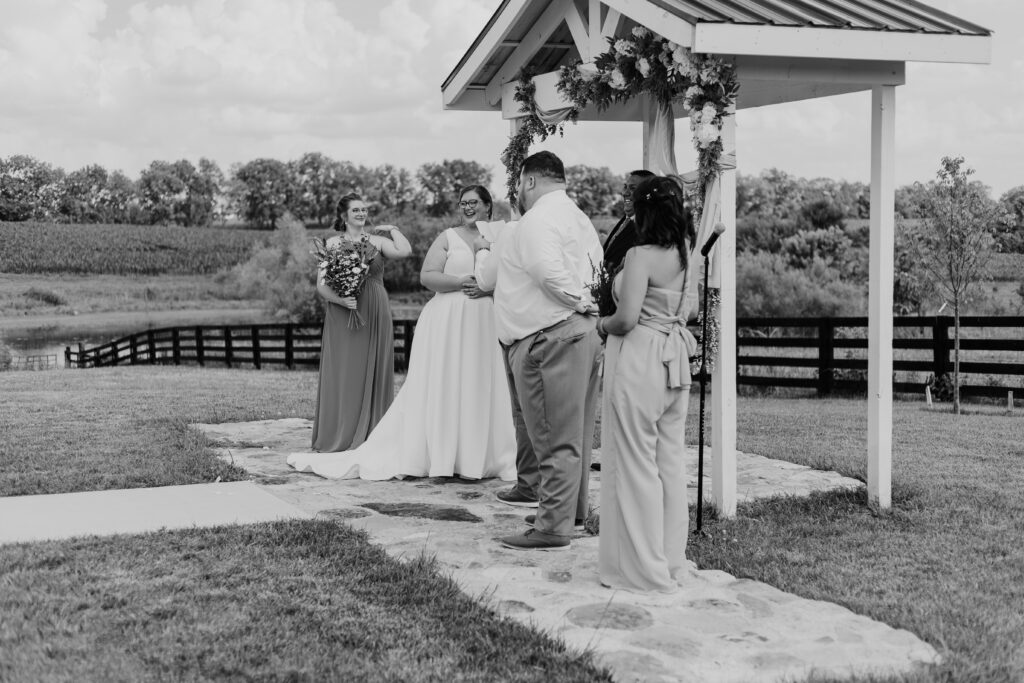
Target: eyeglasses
469,204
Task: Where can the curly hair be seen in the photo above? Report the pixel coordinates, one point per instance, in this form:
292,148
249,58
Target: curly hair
342,209
662,218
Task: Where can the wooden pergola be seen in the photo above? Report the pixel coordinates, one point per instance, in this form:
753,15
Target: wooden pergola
783,51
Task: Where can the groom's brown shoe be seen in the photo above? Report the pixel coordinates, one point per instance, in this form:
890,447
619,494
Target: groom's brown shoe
532,540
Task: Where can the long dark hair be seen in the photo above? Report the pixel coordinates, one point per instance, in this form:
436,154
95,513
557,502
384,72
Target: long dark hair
342,209
481,192
662,218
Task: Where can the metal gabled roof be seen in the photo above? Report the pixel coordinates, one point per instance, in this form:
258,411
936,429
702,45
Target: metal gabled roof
872,15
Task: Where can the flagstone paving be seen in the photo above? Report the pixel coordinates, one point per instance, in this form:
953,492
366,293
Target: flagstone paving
716,628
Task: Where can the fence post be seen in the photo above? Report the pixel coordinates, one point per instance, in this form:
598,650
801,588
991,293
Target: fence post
67,356
227,346
826,353
255,331
152,347
176,346
133,349
940,346
199,345
289,352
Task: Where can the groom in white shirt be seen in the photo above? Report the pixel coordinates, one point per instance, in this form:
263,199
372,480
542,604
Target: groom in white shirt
544,317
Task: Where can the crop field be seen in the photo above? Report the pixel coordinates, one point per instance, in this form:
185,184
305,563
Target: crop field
122,249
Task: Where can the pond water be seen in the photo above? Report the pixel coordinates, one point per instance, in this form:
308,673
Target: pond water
51,343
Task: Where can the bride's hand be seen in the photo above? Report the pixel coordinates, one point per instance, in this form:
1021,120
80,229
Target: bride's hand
384,229
348,302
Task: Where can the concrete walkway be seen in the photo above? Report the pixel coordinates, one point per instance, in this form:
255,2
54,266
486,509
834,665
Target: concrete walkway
133,511
717,628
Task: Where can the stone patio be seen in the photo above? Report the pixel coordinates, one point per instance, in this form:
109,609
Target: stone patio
716,628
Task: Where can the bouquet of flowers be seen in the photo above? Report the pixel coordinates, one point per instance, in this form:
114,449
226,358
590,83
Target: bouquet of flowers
601,289
345,265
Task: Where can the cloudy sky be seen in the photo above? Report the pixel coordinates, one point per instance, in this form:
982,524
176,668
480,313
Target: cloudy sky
124,82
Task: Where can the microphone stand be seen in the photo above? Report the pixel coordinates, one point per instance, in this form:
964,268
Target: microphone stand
699,531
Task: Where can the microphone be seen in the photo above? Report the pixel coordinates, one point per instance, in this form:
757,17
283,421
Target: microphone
706,249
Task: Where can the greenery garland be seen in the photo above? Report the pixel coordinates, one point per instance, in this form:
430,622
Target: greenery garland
531,128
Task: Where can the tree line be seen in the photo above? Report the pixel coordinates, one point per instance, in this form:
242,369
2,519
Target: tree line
256,193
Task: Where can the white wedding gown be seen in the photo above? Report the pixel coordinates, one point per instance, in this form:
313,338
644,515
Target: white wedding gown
453,415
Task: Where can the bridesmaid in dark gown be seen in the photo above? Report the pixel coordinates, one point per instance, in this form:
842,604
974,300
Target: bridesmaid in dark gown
356,361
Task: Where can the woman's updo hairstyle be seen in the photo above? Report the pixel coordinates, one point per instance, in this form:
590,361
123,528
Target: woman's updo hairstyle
342,210
662,218
481,192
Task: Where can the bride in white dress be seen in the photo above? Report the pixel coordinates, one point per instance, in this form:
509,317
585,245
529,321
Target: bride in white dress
453,415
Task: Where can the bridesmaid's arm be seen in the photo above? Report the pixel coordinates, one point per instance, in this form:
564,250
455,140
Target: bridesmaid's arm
432,274
631,295
396,247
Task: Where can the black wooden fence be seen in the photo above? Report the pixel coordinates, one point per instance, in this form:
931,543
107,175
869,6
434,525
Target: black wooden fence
288,344
827,355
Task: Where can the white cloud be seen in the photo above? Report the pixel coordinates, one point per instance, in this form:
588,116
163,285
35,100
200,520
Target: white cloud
124,82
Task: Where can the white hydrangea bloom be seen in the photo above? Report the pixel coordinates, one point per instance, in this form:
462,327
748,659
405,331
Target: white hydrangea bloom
707,133
640,32
643,66
617,80
709,112
626,47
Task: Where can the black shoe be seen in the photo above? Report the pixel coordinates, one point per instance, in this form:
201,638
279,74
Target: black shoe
578,525
513,497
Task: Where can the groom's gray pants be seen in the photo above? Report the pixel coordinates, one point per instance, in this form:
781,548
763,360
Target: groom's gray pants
553,379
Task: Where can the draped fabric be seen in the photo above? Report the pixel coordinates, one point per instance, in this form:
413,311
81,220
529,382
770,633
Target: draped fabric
661,145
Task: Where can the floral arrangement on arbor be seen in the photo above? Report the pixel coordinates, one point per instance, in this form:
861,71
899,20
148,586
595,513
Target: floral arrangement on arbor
648,63
644,63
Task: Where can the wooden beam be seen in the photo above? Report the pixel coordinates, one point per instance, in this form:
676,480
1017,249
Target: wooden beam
597,42
533,41
880,269
611,24
800,70
825,43
580,34
482,51
723,378
662,22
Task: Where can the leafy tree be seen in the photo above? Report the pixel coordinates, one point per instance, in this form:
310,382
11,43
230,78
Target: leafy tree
1010,228
441,182
766,285
262,190
162,192
83,195
953,242
756,233
829,245
819,215
315,177
595,190
29,189
773,194
391,188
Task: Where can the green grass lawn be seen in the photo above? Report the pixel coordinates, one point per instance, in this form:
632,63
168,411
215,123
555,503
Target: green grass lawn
280,602
946,562
292,601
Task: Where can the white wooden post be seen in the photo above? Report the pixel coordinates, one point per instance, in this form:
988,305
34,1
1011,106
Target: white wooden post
881,254
723,378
